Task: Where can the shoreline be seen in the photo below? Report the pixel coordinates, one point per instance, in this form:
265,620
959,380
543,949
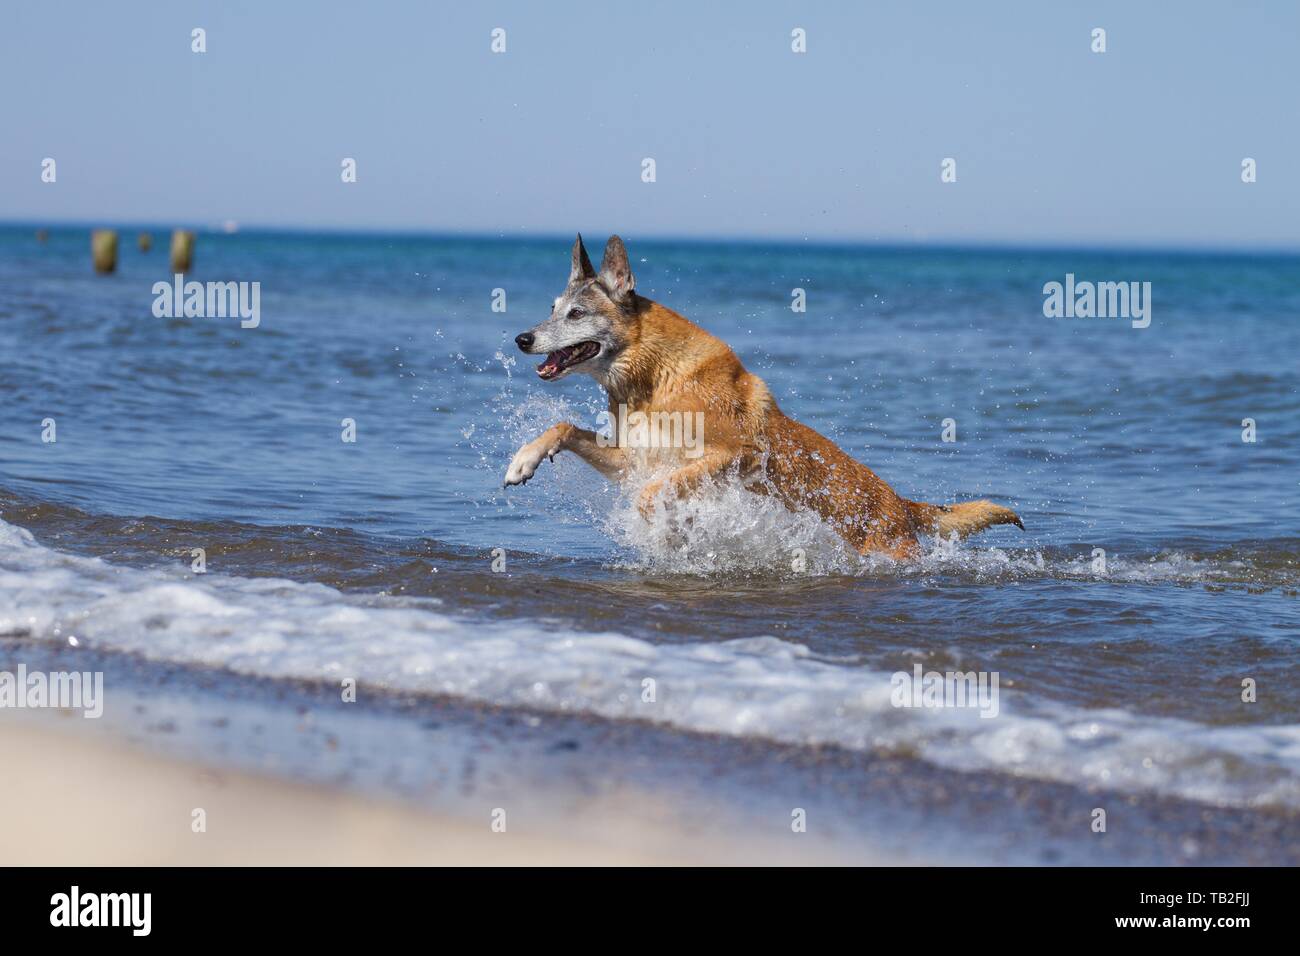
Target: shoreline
291,777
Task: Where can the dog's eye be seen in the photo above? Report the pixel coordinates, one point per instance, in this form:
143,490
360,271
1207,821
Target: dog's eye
577,313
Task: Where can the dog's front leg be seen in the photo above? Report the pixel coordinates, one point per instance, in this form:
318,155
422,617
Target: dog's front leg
684,480
610,460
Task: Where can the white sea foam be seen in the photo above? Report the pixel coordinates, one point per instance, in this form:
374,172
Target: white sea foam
757,687
726,529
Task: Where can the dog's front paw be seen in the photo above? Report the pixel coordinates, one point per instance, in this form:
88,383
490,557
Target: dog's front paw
524,465
526,459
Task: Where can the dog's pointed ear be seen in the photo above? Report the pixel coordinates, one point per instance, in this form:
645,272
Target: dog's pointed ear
582,270
615,273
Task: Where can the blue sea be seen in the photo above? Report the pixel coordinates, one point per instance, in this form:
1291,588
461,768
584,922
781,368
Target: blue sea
1144,626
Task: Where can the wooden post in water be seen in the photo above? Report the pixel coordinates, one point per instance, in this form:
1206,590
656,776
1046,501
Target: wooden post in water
103,250
182,250
42,235
144,241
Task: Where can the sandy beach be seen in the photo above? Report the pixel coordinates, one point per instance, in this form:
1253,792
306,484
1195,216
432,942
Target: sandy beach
71,800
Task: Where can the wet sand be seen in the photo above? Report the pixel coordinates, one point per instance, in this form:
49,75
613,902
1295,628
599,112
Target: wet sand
69,800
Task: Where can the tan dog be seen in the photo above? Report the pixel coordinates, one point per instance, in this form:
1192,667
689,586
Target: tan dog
653,361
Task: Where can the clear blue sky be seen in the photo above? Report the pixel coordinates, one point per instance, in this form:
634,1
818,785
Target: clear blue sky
1141,145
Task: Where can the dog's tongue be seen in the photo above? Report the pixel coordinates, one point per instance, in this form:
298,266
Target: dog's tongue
551,367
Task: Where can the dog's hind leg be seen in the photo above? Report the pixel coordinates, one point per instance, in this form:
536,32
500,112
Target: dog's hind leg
609,460
900,548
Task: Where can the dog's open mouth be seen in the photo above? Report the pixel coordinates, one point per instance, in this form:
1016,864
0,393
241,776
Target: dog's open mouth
561,359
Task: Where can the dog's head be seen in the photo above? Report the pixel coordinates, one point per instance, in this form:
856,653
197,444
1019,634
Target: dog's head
592,321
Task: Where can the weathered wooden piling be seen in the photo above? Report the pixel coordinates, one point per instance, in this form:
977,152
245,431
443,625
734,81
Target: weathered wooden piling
144,241
103,250
182,250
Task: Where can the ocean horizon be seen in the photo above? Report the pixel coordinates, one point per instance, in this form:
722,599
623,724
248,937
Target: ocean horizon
993,245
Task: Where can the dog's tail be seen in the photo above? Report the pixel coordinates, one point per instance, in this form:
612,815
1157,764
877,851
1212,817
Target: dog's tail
964,519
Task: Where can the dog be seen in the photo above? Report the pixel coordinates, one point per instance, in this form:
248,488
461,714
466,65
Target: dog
651,360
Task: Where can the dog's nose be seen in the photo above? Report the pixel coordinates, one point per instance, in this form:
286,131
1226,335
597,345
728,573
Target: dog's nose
524,340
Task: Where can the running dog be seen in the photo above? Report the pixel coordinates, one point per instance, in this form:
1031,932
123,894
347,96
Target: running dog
653,361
